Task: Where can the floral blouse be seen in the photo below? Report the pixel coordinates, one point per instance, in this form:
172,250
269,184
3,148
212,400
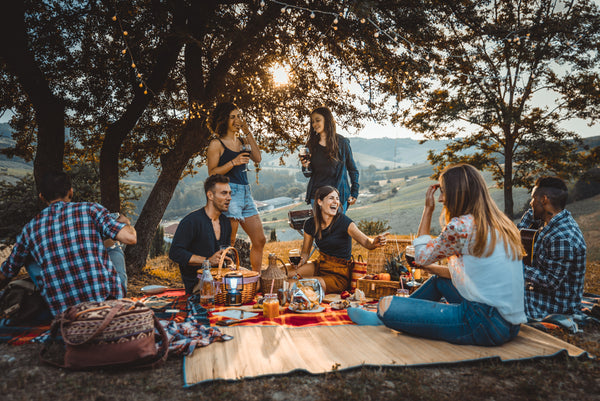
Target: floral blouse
495,280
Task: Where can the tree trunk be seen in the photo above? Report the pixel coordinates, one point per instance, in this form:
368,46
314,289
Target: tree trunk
49,109
508,181
166,58
192,140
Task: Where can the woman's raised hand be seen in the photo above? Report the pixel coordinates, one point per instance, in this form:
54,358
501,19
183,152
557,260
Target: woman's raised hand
380,240
430,196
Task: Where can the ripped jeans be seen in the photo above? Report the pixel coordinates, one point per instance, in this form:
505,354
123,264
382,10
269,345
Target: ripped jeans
459,321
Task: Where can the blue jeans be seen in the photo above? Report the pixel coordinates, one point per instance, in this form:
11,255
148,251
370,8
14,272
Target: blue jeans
242,204
117,257
459,321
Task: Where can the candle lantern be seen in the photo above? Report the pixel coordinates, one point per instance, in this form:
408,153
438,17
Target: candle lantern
234,285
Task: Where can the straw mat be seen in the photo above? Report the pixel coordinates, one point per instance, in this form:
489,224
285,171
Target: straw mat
268,350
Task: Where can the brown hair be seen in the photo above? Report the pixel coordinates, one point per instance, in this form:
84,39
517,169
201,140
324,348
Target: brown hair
465,192
331,145
220,118
321,194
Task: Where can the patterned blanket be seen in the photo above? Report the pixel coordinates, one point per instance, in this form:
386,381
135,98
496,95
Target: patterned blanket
173,306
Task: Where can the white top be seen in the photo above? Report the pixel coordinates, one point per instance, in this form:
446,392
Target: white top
496,280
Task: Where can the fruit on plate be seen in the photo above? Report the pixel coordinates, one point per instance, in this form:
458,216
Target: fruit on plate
344,294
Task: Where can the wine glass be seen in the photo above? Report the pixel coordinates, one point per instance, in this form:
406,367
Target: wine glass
305,155
409,255
248,149
294,256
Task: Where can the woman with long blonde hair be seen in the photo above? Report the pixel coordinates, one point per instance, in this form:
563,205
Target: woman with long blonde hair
483,282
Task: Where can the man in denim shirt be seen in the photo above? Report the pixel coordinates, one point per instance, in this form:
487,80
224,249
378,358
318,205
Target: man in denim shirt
554,281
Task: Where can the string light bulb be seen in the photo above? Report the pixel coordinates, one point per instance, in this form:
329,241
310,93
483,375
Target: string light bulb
125,33
312,15
114,18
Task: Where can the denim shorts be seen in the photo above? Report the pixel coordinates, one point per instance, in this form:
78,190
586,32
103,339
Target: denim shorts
241,205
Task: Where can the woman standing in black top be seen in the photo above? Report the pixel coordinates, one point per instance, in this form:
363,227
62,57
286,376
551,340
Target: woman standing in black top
226,156
333,232
331,161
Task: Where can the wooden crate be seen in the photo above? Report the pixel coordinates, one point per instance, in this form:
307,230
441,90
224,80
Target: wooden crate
377,288
376,258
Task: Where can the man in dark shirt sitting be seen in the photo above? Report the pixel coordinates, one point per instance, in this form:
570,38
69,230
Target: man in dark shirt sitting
554,281
201,234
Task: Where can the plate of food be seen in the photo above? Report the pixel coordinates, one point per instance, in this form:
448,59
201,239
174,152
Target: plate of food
314,310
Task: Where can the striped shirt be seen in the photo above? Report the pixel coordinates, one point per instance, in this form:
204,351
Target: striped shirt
66,240
554,284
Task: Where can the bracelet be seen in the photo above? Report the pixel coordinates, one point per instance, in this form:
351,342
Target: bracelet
231,161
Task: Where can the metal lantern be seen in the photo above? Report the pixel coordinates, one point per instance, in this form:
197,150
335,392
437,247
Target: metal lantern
234,285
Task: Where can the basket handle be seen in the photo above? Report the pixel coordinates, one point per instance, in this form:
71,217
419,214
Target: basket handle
284,266
222,259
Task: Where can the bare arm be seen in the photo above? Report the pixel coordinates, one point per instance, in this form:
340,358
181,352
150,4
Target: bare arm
255,153
440,270
214,152
197,260
306,246
425,224
366,242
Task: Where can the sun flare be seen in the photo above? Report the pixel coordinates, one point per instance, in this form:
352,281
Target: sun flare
281,74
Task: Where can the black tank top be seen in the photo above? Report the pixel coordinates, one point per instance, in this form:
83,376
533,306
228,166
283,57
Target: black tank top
237,174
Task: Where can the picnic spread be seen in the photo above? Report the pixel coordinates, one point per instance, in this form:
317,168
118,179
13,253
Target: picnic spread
298,327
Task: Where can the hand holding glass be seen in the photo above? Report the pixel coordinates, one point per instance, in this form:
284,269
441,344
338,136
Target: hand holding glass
305,155
248,149
294,256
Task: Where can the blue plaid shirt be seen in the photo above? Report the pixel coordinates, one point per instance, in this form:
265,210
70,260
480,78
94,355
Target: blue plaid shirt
66,240
554,284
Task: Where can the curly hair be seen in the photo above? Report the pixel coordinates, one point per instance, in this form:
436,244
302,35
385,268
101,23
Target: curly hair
220,118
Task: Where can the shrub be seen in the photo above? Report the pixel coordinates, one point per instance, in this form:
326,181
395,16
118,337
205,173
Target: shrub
373,227
588,185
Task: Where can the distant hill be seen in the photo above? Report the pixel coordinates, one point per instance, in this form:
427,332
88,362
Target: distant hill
380,152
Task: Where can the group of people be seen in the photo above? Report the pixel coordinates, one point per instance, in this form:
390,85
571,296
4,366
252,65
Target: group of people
481,296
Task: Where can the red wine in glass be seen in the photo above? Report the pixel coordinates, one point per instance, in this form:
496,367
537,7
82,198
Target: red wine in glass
294,256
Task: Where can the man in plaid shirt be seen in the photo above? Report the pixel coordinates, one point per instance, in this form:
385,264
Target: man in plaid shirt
66,241
554,282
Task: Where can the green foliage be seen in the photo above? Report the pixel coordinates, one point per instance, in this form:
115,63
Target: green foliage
373,227
588,185
19,203
158,247
482,99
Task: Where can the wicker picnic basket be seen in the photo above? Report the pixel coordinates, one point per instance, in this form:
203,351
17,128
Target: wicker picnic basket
377,288
250,279
377,257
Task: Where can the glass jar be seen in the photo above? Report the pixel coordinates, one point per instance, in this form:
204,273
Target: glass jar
270,306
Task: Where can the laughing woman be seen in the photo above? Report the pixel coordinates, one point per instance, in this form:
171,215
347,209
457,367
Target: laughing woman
226,156
333,232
